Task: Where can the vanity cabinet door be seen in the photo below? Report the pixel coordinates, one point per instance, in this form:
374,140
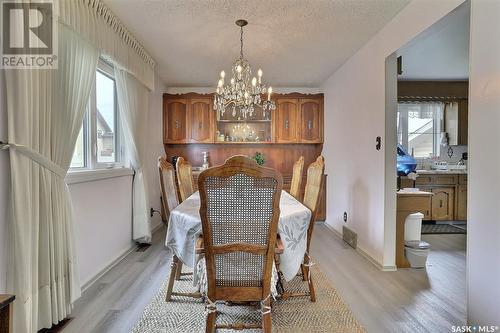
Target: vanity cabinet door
443,203
427,213
175,120
286,118
200,120
462,203
311,122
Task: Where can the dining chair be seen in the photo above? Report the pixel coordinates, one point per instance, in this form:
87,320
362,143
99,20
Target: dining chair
184,178
297,178
239,213
170,200
312,193
168,190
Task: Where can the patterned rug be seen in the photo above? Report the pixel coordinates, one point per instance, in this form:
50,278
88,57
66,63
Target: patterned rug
443,228
298,314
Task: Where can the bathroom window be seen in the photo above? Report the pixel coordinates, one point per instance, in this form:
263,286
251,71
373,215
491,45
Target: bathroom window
419,127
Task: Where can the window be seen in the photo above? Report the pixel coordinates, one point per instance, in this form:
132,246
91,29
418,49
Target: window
419,127
99,142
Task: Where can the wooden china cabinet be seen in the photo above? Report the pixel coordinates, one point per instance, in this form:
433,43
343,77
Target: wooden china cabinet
294,129
188,119
299,120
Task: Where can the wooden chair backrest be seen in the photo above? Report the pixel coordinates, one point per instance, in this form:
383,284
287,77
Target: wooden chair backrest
297,178
168,190
312,192
184,178
239,213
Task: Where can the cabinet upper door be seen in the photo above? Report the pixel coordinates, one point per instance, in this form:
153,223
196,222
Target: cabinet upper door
201,120
311,121
443,203
175,120
286,118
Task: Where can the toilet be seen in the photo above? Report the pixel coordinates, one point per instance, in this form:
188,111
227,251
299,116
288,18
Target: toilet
416,250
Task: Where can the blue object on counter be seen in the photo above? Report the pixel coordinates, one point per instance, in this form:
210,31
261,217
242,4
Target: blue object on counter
405,162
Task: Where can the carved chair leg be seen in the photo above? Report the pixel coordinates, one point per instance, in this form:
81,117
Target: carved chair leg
210,324
179,271
173,272
312,292
266,318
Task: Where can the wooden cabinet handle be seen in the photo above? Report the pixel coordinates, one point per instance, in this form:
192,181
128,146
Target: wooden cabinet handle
200,125
177,124
310,124
286,124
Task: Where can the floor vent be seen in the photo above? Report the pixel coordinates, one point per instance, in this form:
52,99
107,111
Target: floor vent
350,237
142,247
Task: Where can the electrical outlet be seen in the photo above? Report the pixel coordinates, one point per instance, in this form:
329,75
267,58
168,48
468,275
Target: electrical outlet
345,217
350,237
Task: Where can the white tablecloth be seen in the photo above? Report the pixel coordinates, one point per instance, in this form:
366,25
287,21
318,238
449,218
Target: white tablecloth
184,227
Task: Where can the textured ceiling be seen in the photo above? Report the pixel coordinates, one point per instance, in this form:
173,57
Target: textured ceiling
442,51
295,42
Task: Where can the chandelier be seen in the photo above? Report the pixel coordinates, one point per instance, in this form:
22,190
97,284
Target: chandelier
243,93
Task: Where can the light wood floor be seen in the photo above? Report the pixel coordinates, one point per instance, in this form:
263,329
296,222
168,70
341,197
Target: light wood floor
408,300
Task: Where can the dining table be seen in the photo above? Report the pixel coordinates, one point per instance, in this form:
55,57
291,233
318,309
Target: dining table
184,228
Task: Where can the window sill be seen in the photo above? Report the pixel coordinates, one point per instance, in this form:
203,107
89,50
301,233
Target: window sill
84,176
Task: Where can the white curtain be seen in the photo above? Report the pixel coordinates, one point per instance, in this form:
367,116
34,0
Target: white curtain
133,106
94,21
45,111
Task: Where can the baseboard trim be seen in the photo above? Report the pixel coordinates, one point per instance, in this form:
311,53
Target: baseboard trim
363,253
108,267
115,262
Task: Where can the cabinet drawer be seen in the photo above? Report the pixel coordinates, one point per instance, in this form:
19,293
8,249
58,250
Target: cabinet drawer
423,180
445,179
462,179
436,180
415,204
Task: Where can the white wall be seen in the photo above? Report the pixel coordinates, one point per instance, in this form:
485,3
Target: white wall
483,234
354,117
103,223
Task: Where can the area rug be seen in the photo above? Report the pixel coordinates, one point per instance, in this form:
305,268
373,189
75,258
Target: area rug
328,314
443,228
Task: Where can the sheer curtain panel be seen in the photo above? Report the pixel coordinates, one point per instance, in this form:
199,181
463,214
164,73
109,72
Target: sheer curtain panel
133,106
45,111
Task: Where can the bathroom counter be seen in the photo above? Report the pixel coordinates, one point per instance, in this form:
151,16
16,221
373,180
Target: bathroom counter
441,172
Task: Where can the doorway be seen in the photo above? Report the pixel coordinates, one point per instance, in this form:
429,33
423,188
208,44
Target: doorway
426,148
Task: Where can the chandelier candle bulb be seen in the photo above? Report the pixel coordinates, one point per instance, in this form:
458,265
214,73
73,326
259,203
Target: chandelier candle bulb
269,92
254,81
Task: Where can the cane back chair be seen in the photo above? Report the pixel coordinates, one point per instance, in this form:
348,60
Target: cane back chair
168,190
184,178
169,201
312,194
239,213
297,178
